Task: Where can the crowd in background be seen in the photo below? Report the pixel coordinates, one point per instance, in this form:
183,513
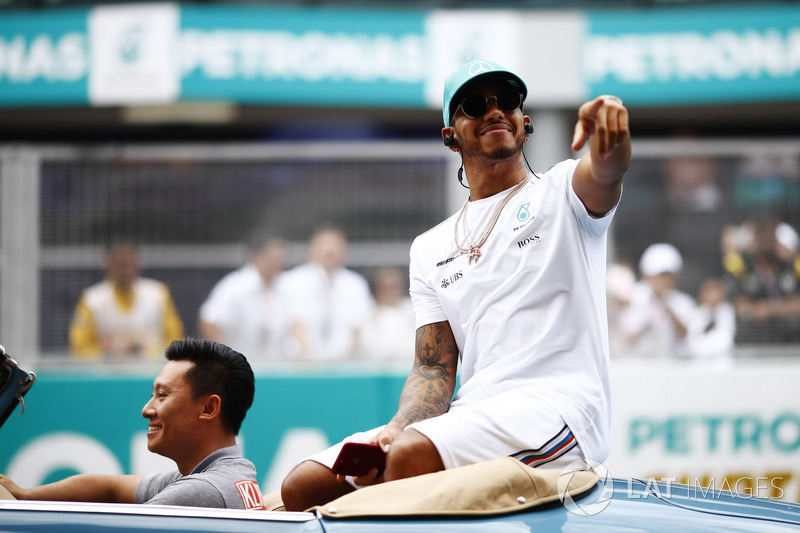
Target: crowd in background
321,310
755,300
318,310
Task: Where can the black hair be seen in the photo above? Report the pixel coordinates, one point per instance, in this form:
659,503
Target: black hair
219,370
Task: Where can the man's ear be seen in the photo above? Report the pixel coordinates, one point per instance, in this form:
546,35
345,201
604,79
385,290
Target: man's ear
528,125
449,138
212,407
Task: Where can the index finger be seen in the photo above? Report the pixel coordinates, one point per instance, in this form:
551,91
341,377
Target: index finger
589,109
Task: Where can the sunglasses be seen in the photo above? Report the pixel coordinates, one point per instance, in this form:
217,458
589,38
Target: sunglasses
475,106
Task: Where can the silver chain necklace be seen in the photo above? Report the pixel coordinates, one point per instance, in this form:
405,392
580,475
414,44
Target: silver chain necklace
474,248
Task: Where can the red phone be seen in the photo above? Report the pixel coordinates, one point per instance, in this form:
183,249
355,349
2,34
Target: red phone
357,459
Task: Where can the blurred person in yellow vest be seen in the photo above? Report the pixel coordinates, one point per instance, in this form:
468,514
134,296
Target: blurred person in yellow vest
125,315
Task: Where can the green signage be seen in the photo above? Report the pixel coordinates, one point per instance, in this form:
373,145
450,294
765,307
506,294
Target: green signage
691,56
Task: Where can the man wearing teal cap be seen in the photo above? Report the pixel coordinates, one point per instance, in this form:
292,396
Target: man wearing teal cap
511,288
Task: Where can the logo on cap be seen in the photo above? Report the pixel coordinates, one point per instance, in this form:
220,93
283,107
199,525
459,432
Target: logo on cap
478,67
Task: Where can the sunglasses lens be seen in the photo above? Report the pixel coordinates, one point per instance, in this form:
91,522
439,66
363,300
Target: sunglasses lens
509,100
474,106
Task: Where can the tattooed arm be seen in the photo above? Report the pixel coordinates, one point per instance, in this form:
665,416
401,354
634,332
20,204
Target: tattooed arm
429,387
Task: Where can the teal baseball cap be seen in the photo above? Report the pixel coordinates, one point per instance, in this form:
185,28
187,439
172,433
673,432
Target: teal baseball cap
477,70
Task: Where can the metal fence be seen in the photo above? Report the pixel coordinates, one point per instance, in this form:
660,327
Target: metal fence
191,208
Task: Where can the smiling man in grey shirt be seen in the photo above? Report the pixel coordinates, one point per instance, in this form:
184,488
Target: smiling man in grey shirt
199,401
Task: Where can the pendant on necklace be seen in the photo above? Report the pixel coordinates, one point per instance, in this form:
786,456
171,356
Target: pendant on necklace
474,253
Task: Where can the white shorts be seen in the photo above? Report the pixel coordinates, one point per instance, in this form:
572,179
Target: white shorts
511,423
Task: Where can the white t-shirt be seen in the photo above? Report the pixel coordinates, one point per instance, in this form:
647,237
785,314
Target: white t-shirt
530,314
332,309
246,309
712,331
389,332
648,322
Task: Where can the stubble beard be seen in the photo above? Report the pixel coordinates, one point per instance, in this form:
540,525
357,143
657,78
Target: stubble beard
502,153
499,153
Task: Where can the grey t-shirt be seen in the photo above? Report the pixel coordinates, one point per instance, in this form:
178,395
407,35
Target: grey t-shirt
223,479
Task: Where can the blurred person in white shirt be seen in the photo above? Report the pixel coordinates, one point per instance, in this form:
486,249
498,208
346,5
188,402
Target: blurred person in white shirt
620,280
713,328
242,310
327,304
390,330
656,322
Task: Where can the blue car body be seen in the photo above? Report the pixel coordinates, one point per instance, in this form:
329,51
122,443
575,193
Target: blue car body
615,505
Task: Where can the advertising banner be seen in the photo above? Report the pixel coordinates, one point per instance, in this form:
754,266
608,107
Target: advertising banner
693,56
161,53
165,52
303,57
44,59
725,427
